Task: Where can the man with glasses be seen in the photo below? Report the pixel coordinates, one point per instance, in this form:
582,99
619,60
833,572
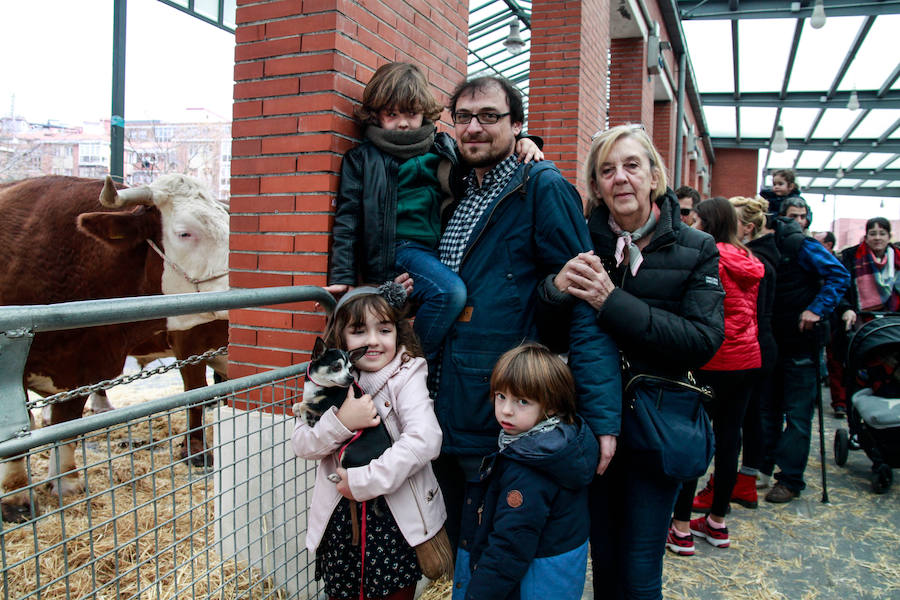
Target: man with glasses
511,226
688,199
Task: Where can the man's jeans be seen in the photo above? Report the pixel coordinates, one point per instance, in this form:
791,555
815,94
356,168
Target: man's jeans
441,292
787,419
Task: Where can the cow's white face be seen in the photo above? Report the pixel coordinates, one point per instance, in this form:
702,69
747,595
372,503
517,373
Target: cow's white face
195,237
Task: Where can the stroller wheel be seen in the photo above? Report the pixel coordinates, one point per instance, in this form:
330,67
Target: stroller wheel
841,446
882,478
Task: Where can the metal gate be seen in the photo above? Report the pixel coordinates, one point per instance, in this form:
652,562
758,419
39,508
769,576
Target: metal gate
141,520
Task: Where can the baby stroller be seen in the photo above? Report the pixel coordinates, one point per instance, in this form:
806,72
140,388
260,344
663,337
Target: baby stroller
873,414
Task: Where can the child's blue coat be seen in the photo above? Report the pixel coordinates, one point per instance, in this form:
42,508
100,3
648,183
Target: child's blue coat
526,524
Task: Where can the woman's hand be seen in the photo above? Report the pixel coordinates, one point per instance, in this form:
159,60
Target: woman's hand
849,319
343,486
588,280
563,279
358,413
528,151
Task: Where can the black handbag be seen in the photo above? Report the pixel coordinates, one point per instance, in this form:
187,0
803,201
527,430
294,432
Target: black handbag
665,426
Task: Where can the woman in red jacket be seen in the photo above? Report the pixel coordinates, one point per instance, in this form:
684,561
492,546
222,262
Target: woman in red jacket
729,373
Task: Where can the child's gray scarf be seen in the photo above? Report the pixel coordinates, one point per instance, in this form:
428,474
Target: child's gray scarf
545,425
402,145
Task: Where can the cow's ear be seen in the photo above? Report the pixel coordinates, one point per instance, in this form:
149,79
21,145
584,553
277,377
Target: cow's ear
318,348
124,229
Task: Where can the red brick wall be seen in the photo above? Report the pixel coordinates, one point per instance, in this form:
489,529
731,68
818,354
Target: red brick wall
300,67
664,135
734,172
630,86
567,105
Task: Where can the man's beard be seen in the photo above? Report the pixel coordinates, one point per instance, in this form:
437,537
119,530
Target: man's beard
486,157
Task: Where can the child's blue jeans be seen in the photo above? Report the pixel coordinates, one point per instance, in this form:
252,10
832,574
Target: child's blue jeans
441,292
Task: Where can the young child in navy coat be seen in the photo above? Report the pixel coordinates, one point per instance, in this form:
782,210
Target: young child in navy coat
526,524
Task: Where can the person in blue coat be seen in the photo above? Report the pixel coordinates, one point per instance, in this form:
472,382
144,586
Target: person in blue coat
512,226
526,524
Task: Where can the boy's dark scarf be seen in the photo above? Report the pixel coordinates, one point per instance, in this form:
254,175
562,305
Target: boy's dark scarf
402,145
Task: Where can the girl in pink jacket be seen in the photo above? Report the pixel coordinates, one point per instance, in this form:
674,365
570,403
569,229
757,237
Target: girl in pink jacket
374,557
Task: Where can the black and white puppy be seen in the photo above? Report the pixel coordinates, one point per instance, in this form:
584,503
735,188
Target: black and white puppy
328,378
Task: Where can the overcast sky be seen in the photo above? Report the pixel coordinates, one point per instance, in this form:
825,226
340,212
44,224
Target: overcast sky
57,61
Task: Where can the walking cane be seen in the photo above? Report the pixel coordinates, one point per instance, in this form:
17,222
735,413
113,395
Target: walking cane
820,332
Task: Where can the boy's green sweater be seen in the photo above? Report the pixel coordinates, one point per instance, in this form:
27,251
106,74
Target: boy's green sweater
419,200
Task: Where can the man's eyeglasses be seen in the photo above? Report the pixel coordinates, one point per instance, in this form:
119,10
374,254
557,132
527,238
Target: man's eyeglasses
462,117
685,212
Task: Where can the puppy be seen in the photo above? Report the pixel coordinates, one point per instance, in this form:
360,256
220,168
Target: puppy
328,378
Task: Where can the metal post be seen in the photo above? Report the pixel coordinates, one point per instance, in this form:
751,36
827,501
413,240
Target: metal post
14,346
679,120
117,119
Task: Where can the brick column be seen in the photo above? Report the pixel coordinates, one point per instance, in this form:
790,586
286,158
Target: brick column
300,68
664,133
567,104
630,86
734,173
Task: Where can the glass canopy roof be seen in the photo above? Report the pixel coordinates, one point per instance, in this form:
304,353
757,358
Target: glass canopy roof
785,72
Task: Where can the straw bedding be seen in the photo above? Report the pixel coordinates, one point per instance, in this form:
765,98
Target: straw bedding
802,550
158,512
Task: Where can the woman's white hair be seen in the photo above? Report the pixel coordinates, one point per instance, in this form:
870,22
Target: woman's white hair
602,145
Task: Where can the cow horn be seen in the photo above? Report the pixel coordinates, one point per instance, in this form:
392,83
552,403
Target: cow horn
112,198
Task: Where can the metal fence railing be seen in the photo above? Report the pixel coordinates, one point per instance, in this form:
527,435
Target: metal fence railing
140,521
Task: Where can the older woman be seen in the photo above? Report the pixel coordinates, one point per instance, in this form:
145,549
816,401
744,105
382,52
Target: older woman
654,283
874,266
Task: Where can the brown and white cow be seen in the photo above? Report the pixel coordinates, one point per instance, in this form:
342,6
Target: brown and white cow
65,239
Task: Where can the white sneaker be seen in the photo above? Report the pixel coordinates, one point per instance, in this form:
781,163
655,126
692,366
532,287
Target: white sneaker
763,481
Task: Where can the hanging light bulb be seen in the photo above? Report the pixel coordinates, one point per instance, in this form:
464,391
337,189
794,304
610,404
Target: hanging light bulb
514,43
853,102
817,20
779,142
840,172
882,203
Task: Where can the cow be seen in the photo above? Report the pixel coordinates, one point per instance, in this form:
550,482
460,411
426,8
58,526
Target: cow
65,239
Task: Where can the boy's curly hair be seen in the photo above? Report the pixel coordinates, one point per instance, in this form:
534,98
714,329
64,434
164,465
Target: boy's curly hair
401,86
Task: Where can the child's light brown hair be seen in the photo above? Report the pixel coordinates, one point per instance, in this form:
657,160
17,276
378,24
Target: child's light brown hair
401,86
353,313
532,371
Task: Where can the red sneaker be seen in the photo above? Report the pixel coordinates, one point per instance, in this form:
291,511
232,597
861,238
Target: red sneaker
682,545
744,492
717,537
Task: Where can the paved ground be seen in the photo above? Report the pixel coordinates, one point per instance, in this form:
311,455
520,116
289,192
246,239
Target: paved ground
846,549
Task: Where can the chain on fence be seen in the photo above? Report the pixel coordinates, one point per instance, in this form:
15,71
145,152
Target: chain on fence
123,379
140,521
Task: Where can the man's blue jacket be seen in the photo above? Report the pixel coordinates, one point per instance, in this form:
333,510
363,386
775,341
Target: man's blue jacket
527,233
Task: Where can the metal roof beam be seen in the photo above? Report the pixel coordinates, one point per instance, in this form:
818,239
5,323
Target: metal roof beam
890,99
881,191
851,53
854,145
736,74
788,71
889,131
885,174
779,9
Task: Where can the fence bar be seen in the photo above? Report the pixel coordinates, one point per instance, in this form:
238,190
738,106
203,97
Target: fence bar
91,313
61,431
